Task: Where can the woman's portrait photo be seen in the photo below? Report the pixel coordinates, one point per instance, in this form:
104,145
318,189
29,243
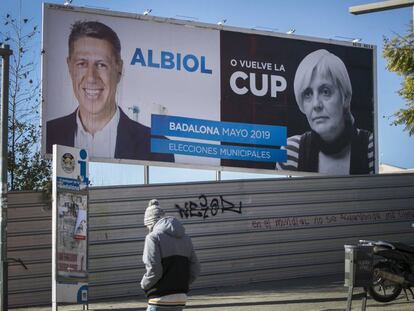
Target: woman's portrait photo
333,145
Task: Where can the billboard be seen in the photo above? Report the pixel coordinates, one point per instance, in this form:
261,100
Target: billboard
160,91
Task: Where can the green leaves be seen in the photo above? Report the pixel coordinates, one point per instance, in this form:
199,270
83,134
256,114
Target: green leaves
25,164
399,52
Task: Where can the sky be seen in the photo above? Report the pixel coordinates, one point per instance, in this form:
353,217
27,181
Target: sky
327,19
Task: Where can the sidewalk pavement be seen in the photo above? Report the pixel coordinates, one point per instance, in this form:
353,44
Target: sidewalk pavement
322,294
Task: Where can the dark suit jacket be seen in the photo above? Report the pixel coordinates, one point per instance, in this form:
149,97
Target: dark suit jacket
133,140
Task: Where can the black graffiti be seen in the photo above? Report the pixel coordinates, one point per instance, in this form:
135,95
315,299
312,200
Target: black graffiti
205,208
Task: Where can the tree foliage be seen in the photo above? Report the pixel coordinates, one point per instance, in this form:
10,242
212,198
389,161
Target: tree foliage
26,168
399,52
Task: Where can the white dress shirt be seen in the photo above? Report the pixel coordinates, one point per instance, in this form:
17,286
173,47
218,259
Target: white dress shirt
102,143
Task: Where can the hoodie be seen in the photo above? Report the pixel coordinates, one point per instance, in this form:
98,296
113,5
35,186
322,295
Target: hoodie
170,261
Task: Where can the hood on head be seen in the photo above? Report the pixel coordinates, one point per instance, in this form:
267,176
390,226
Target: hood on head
170,226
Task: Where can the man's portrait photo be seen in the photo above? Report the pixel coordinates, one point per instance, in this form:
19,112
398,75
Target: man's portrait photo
99,124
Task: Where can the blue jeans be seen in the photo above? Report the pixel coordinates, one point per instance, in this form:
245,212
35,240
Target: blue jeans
164,308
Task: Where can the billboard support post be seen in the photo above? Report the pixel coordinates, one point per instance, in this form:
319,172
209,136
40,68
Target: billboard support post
5,53
218,175
146,174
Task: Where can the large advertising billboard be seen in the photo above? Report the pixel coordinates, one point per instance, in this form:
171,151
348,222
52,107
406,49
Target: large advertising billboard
159,91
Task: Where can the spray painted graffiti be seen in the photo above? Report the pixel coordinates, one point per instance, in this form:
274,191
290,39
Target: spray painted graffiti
280,223
206,207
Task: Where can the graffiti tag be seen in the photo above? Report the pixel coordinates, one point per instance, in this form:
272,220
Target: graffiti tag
206,207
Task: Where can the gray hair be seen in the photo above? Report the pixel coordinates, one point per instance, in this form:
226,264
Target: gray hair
323,62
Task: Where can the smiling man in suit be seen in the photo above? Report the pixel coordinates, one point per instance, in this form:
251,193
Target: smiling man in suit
98,124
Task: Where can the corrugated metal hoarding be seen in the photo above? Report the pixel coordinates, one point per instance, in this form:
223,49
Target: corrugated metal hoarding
162,91
243,231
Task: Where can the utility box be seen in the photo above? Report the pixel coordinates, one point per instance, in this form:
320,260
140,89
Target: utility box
359,261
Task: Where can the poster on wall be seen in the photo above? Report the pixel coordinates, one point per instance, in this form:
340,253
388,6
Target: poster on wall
148,90
70,225
72,222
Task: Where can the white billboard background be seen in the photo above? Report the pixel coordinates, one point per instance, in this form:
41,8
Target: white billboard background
152,90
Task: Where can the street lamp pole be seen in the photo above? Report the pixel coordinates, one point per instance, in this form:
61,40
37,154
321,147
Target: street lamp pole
382,6
5,53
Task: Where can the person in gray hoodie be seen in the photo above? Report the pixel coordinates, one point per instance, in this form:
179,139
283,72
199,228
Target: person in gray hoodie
170,261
